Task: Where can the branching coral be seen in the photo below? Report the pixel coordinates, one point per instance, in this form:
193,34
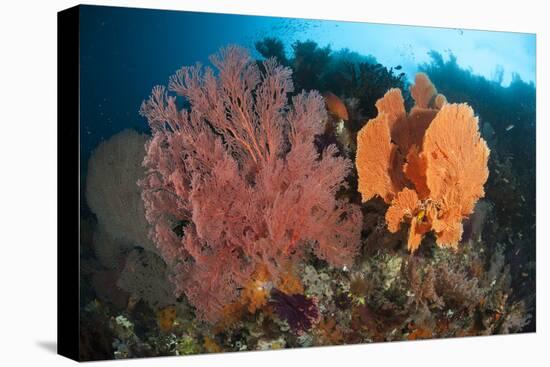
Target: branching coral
236,183
430,165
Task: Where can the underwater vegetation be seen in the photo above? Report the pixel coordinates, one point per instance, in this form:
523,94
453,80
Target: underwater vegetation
312,198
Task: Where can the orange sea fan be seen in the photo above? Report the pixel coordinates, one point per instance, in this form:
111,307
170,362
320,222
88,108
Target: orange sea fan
384,142
374,158
416,233
378,159
422,90
405,204
456,170
415,170
393,104
430,164
410,131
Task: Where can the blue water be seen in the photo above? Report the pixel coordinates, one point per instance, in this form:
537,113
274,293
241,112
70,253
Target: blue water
125,52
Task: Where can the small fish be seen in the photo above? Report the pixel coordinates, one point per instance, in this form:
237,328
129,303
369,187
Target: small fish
509,127
398,67
335,106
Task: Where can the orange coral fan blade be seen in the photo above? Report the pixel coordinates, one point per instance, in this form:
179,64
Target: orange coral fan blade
415,236
410,130
448,229
393,105
456,166
415,170
404,205
450,236
423,90
374,156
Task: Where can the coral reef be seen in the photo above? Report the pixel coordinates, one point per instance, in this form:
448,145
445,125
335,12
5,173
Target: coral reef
261,239
236,183
387,296
430,165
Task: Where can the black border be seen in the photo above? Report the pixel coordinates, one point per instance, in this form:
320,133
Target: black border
68,129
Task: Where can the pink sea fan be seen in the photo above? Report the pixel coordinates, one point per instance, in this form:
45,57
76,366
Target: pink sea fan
236,183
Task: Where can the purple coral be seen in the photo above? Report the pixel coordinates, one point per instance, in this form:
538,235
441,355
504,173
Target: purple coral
299,311
239,172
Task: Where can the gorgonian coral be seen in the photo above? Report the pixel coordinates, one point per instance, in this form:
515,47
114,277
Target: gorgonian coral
235,183
430,165
111,193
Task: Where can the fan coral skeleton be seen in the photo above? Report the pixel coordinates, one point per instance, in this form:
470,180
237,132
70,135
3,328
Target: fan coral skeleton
430,165
235,183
